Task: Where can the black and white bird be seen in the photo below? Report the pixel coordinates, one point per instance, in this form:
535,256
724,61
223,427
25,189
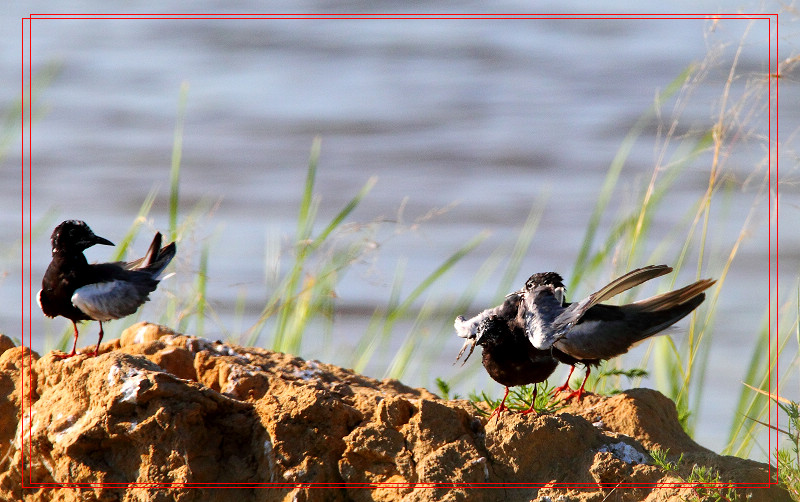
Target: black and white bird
80,291
589,332
508,355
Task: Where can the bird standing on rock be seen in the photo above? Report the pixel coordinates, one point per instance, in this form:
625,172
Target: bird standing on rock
534,327
587,331
80,291
508,355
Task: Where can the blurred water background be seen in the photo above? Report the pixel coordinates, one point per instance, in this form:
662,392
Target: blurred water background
483,118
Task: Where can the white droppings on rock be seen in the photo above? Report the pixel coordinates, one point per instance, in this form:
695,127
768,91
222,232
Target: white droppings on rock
199,344
139,338
482,461
47,465
225,350
26,425
294,474
270,459
61,428
129,392
625,452
310,373
113,375
235,374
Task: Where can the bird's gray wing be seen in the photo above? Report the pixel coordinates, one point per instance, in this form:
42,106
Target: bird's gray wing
104,301
575,311
543,306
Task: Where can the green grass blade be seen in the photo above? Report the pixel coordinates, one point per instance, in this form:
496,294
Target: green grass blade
373,336
305,217
521,248
612,176
175,163
144,210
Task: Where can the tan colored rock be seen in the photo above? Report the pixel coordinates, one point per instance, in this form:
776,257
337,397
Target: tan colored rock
166,408
142,333
5,343
17,390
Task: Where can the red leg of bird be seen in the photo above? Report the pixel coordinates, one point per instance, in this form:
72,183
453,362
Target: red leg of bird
500,408
533,401
578,393
566,384
99,339
74,344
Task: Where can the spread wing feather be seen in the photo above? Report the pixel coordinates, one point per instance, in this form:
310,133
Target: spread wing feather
573,314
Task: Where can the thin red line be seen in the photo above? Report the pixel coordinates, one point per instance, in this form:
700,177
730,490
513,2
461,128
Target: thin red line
410,14
777,287
386,17
397,485
22,222
369,17
410,484
769,247
777,224
769,255
30,216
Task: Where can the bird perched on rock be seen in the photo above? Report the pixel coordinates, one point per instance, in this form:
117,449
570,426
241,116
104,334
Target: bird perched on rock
587,331
508,355
74,289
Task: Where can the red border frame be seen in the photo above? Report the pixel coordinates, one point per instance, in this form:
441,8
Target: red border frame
26,222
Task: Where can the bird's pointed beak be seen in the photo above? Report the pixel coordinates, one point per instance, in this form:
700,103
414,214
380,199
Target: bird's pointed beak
99,240
469,342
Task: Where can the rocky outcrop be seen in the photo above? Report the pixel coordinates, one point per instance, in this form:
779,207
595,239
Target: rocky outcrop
166,416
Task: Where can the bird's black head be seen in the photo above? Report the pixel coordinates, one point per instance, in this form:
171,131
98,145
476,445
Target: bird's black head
75,236
544,279
491,330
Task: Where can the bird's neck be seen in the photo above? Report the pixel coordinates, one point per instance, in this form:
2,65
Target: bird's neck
74,258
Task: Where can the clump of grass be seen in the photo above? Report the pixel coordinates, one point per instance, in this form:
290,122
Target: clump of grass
444,390
704,481
519,399
787,459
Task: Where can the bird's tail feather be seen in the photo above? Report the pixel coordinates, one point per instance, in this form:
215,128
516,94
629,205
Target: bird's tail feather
153,251
670,316
675,298
165,255
156,259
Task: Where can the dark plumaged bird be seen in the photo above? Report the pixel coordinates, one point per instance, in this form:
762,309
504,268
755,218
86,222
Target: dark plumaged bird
587,331
508,355
74,289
